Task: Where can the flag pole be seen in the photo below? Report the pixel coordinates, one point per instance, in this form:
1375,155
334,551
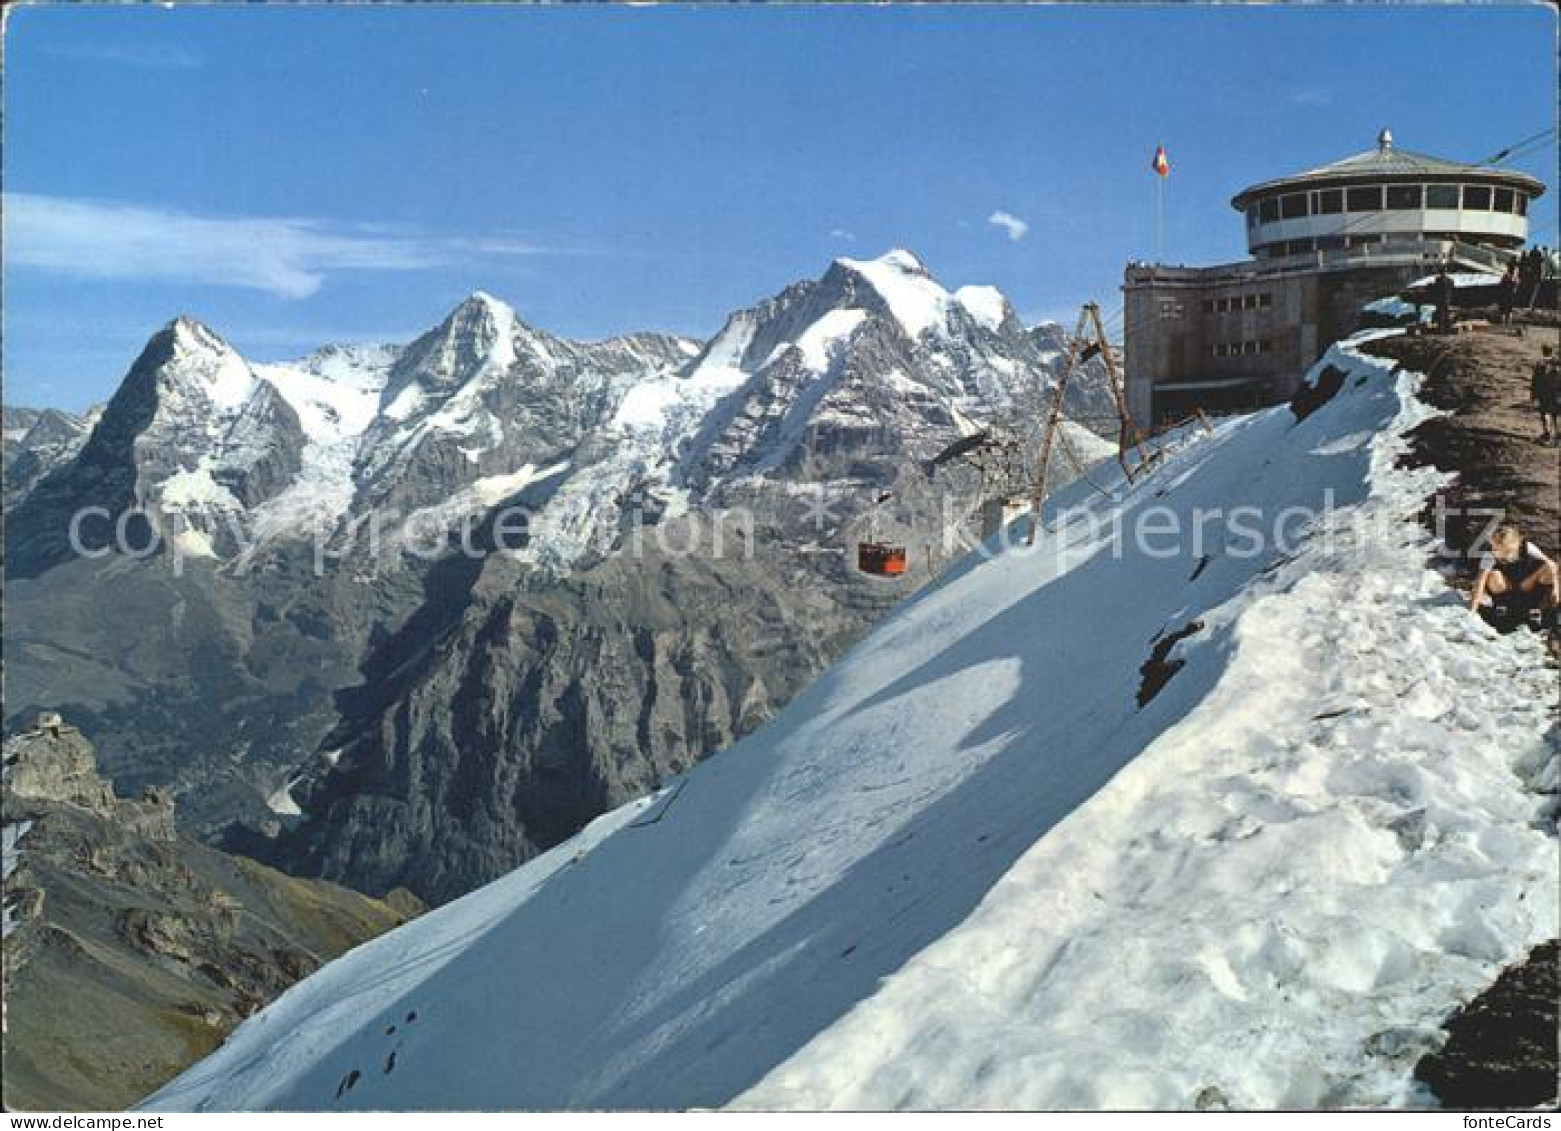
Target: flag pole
1159,219
1161,167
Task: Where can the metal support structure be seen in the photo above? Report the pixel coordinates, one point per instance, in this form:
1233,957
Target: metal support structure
1038,495
1128,430
1129,435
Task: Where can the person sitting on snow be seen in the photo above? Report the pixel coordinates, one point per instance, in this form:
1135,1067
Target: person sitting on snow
1516,575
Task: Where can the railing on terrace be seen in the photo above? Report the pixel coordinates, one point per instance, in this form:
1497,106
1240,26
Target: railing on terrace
1390,253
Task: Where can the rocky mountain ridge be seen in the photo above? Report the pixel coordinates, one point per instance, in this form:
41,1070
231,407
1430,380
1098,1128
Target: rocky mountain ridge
268,682
130,950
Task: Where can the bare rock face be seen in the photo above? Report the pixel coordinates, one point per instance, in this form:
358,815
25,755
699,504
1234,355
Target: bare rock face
53,762
130,951
539,710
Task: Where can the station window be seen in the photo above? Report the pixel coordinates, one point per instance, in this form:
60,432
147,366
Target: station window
1477,197
1292,207
1364,199
1298,247
1329,201
1522,202
1252,215
1441,196
1249,302
1268,210
1249,347
1330,243
1502,200
1265,345
1208,306
1265,300
1403,196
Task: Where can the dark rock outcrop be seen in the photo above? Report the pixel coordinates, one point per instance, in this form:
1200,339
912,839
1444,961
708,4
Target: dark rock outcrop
1501,1049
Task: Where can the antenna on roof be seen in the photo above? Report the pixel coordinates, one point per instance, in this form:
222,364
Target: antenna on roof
1385,139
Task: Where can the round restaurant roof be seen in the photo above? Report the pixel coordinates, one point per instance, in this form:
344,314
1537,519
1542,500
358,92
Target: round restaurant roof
1386,163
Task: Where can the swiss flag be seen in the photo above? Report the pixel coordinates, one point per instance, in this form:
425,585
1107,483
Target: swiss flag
1160,165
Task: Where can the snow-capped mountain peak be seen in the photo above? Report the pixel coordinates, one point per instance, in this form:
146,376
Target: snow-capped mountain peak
897,259
200,358
479,334
484,318
916,300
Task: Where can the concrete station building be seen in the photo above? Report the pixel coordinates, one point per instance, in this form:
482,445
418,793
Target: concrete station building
1322,243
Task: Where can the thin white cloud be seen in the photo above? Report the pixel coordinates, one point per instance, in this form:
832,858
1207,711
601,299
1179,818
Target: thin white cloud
1310,96
843,234
142,56
1015,227
95,239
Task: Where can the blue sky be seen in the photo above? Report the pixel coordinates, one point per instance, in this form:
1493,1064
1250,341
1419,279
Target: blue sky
299,175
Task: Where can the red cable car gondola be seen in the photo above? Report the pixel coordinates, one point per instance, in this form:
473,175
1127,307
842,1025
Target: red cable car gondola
875,558
880,559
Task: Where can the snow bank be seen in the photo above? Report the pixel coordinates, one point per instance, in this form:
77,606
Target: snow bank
1265,886
821,341
1460,279
1398,310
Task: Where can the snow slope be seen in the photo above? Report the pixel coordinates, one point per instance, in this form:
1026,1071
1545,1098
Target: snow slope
965,869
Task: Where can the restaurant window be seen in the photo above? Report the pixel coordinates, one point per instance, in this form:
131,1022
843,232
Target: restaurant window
1249,302
1268,210
1265,300
1265,345
1522,202
1252,216
1403,196
1330,201
1249,347
1364,199
1208,306
1502,201
1477,197
1441,196
1292,207
1330,243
